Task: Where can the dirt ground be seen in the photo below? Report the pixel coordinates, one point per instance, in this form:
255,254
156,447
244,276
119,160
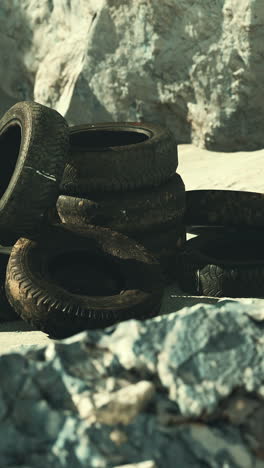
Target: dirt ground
200,169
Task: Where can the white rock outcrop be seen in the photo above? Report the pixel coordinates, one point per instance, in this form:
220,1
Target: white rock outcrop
194,66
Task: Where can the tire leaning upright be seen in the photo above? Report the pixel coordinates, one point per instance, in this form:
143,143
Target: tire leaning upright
34,142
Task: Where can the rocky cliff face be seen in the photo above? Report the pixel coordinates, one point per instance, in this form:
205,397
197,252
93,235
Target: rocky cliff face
194,66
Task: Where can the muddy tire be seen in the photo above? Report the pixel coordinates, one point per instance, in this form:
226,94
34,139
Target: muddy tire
118,156
223,266
127,211
55,283
230,208
34,142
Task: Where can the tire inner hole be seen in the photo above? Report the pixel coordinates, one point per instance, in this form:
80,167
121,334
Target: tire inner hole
92,139
85,274
238,249
10,141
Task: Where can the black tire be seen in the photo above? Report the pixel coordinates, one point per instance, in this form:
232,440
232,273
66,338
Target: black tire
163,242
229,208
166,246
223,266
134,211
46,295
241,231
7,313
34,142
118,156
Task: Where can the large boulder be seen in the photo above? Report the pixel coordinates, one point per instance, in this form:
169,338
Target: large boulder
194,66
183,389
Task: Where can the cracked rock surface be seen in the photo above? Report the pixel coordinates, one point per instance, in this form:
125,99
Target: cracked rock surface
184,389
194,66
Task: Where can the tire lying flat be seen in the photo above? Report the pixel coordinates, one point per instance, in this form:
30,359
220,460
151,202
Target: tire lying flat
127,212
223,266
230,208
118,156
34,142
47,281
240,231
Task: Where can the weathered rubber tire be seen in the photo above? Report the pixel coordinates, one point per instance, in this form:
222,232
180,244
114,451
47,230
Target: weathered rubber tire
241,231
118,156
34,142
163,242
166,246
223,266
7,313
127,212
229,208
43,299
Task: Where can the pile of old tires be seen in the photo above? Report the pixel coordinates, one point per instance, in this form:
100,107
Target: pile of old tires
96,216
95,213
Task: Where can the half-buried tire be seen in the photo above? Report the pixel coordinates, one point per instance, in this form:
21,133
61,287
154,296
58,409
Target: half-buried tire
118,156
74,279
223,266
34,142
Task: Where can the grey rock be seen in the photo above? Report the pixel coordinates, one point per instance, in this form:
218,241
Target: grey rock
117,407
196,67
184,389
200,354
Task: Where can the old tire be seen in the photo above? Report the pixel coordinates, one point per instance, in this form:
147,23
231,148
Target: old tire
7,312
118,156
34,143
230,208
48,296
166,245
223,265
241,231
127,211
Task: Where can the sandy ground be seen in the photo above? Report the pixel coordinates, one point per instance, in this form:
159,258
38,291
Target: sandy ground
200,169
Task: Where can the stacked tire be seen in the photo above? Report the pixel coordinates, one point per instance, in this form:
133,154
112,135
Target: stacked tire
122,176
226,259
65,278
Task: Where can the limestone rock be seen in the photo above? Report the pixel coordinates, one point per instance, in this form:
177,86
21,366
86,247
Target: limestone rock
188,386
196,67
